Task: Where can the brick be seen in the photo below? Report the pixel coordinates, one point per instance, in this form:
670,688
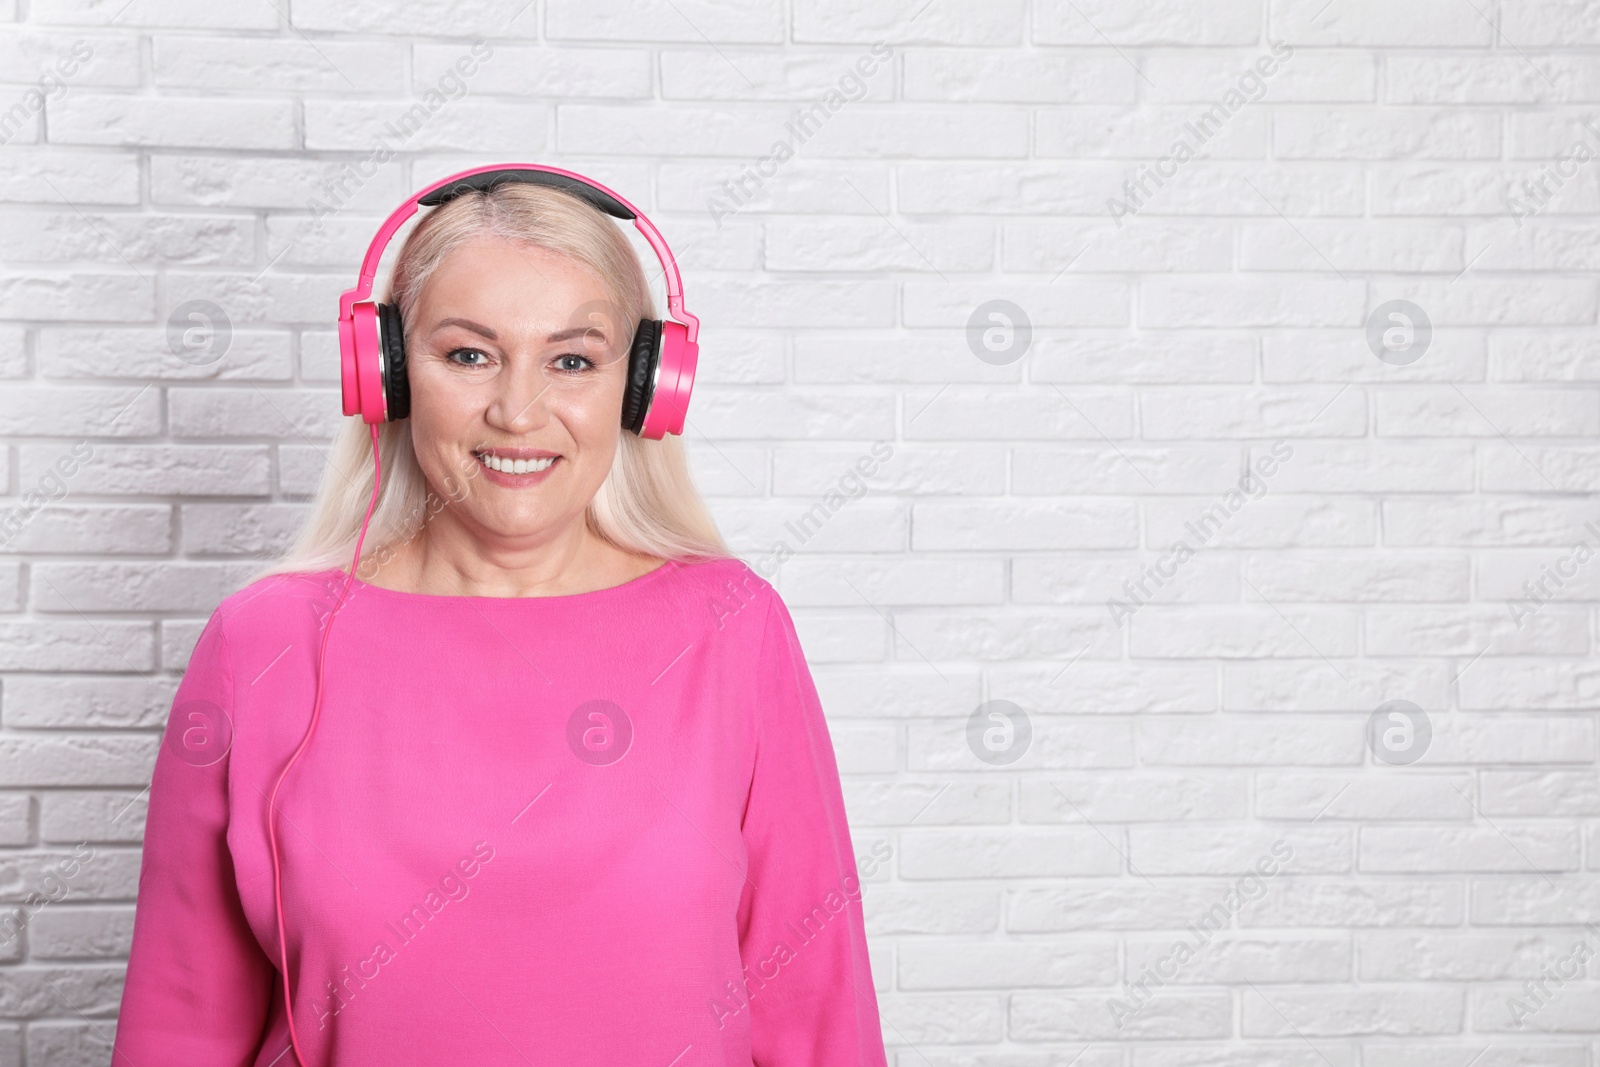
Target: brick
70,59
429,124
1129,469
81,933
953,964
1141,244
171,122
1489,79
1237,960
1427,23
1405,849
1368,797
288,64
968,74
1023,525
628,20
267,182
137,469
82,176
26,761
1061,1017
1233,741
219,412
1255,413
1096,579
1453,355
965,22
1007,853
163,586
184,14
971,413
42,702
1158,797
1189,850
1163,22
957,304
1308,75
1548,22
1342,903
1363,1012
56,295
1113,132
71,643
878,245
756,416
1075,743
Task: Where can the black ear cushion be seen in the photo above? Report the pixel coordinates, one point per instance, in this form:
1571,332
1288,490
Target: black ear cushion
396,383
642,359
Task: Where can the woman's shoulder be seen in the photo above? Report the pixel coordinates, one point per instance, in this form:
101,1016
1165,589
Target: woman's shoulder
723,578
732,597
288,597
716,571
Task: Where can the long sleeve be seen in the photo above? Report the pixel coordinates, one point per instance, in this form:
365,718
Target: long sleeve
802,935
198,985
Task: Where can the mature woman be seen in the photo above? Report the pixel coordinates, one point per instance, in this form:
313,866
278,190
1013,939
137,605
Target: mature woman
549,779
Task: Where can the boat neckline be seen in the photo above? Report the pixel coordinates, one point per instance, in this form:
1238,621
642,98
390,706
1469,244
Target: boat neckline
623,588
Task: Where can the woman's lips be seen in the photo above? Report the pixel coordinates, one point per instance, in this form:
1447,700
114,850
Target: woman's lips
536,464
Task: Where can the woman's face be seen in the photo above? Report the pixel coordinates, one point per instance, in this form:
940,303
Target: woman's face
518,352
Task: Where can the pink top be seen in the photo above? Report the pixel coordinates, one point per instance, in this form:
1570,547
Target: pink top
604,828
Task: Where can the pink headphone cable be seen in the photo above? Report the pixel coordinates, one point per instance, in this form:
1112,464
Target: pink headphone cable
316,708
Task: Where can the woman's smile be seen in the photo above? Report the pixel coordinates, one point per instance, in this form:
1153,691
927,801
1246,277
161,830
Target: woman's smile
517,468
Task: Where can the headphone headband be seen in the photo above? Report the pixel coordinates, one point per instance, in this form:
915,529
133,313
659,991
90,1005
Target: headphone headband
484,178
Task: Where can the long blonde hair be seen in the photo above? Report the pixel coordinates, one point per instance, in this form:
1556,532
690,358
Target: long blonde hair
648,503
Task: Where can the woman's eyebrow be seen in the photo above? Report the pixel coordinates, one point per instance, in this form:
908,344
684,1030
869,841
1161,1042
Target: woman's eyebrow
467,324
484,331
576,331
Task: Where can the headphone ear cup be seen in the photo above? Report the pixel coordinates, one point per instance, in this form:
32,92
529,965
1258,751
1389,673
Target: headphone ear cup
396,383
643,357
673,382
361,363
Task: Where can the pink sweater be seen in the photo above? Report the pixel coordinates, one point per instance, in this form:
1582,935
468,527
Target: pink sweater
598,829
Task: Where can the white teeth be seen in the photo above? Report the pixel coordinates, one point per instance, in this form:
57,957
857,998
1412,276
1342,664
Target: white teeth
515,466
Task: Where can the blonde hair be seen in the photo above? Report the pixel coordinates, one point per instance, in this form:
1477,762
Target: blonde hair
648,503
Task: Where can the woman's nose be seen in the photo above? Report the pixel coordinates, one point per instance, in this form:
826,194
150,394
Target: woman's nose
519,398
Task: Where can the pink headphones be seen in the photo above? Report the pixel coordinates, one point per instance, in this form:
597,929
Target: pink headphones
372,347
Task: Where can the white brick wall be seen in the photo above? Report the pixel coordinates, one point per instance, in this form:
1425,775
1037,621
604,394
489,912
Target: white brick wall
1172,747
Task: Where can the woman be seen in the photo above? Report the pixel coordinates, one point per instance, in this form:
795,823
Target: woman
573,799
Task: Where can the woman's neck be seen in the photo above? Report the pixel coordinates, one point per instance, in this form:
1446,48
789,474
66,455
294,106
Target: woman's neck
445,560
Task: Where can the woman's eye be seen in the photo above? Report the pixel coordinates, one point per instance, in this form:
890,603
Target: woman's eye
572,364
455,352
